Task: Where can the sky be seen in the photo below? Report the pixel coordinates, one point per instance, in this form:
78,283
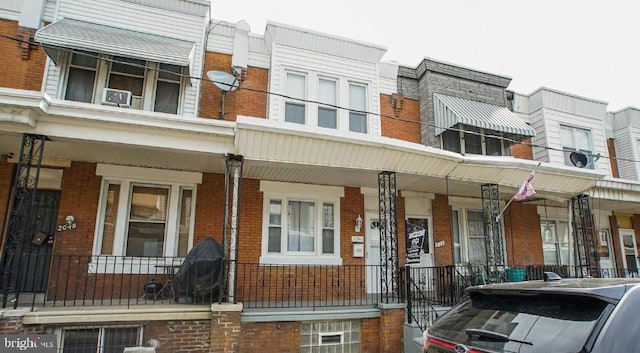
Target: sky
589,48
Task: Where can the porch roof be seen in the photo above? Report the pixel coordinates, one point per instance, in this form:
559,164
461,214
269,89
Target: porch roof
304,155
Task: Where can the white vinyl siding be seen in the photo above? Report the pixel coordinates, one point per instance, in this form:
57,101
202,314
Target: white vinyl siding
287,59
139,18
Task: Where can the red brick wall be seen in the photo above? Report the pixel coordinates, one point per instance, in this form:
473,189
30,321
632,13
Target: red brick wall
209,208
370,331
403,126
181,336
6,176
442,231
522,150
351,205
79,197
239,102
272,337
15,72
522,234
391,330
613,161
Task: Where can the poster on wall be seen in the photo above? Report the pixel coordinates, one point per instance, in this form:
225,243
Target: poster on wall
416,233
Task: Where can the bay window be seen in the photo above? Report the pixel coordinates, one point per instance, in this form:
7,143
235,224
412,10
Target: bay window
301,223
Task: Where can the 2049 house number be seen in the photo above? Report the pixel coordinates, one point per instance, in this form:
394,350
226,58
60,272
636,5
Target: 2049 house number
66,226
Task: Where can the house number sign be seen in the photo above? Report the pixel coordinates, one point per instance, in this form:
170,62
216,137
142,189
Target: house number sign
66,226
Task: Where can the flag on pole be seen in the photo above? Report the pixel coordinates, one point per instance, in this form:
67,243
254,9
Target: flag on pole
526,190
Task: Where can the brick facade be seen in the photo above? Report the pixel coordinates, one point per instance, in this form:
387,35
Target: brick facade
442,231
401,122
250,102
21,67
522,235
522,150
276,337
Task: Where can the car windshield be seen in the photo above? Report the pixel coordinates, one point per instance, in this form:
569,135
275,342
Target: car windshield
521,323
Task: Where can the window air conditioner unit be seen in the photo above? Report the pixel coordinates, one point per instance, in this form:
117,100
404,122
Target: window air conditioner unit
116,97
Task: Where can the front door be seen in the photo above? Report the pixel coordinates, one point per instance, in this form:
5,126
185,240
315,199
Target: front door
372,252
33,263
629,252
605,254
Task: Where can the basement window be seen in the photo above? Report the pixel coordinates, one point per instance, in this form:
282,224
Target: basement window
331,336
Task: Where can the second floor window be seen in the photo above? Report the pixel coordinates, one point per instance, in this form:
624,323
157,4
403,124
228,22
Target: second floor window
470,140
574,139
357,102
153,86
294,109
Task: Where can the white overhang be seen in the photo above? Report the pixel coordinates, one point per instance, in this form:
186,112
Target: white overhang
304,154
450,111
67,34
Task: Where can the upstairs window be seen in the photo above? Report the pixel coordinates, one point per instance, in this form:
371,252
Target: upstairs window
327,93
153,86
470,140
81,78
357,102
576,140
294,110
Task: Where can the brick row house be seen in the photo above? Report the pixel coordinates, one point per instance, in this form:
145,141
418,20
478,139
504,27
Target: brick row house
194,186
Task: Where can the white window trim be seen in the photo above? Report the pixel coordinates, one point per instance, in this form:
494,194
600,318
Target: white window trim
504,150
573,136
319,194
463,206
103,70
175,180
367,104
342,99
296,101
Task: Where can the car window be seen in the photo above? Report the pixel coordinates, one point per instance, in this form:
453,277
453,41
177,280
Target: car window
620,334
551,323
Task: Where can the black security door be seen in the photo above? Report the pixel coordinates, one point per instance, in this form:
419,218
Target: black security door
36,250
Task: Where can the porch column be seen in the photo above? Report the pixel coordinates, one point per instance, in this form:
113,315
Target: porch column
388,213
21,227
231,226
584,235
492,228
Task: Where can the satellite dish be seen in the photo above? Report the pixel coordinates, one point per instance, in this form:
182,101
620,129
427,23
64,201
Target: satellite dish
223,80
578,159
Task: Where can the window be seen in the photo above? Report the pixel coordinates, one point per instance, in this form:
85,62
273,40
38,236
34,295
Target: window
145,218
327,115
576,140
300,223
330,336
477,242
471,140
358,102
81,78
100,339
153,86
555,242
294,110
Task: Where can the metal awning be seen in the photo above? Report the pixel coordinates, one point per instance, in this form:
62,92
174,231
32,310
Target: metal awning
69,34
450,111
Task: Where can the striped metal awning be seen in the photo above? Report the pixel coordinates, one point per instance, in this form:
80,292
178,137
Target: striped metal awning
70,34
450,111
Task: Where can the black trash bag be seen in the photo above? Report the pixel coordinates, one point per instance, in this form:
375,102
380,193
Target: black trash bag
199,279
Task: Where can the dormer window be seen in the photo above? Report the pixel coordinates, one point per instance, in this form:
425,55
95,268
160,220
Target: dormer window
100,64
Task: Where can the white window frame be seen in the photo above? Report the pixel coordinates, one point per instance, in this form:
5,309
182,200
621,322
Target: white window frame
299,192
295,101
312,100
99,348
557,243
463,206
567,149
367,123
127,177
325,106
103,71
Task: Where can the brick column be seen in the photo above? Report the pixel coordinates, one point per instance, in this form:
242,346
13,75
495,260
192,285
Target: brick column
225,328
391,327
